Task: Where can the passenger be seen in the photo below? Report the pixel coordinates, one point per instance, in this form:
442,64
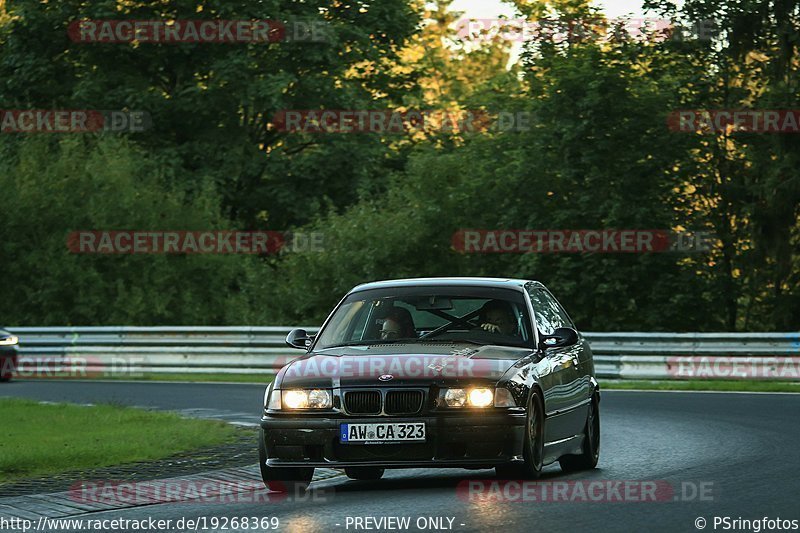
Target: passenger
497,316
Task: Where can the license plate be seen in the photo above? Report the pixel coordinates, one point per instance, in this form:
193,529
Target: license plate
382,433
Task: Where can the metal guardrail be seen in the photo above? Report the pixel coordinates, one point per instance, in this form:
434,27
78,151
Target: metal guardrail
124,350
727,356
121,350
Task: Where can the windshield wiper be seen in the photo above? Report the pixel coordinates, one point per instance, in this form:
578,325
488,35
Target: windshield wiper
482,343
455,341
367,343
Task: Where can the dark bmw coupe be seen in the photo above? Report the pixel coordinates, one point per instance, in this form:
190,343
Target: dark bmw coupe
438,372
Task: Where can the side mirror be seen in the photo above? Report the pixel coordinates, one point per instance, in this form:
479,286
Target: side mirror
560,338
298,338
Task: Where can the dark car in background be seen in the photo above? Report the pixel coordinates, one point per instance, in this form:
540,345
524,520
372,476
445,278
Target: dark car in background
455,372
8,354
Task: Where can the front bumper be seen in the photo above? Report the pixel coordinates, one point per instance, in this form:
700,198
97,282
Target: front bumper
463,440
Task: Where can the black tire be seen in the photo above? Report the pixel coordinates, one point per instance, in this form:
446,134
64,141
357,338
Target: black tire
364,473
282,479
533,448
5,379
587,460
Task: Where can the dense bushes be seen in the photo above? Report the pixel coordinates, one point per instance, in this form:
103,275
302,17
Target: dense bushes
54,187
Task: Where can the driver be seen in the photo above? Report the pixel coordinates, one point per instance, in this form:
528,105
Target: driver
497,316
398,324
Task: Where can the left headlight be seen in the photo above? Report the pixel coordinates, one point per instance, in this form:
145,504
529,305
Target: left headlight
481,397
306,399
477,397
9,341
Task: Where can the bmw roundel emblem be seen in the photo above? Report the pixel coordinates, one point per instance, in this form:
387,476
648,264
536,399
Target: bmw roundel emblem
386,377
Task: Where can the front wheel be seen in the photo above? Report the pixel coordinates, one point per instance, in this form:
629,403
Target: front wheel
282,479
591,443
533,449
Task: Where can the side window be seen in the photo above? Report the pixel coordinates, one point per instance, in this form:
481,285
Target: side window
549,314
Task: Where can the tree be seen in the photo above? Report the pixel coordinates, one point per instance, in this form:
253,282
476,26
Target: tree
212,104
56,187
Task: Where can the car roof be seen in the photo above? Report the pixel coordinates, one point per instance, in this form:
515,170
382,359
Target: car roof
497,283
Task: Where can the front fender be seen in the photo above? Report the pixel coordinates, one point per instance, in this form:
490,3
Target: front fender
522,378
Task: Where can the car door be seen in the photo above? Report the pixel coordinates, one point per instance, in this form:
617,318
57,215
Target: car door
567,387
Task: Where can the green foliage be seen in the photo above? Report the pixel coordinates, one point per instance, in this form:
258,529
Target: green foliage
747,183
211,105
54,187
599,156
404,233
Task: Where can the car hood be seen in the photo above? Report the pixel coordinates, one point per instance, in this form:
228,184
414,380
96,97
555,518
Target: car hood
399,365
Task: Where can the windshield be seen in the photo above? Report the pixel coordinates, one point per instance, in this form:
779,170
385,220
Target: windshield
477,315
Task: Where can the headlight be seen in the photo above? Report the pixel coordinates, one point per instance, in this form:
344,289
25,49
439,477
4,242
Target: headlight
478,397
9,341
306,399
455,397
481,397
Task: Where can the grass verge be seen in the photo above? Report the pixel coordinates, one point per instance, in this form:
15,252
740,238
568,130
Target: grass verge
42,439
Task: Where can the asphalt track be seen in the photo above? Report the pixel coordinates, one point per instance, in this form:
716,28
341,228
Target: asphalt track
722,455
